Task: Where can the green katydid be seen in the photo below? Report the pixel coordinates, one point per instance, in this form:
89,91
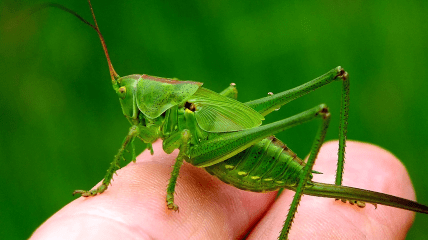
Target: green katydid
227,138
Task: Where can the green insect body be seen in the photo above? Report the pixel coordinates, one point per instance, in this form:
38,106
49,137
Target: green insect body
266,166
226,137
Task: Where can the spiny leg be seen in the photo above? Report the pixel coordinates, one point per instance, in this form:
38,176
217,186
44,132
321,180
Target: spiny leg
226,145
268,104
179,140
343,129
114,166
304,176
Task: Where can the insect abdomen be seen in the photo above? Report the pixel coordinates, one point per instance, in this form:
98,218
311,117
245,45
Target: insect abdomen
266,166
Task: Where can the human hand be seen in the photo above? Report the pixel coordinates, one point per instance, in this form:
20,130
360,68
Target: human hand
134,206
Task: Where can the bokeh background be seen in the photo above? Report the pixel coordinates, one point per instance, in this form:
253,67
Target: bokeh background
61,123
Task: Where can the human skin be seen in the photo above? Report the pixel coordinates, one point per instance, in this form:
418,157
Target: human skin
134,206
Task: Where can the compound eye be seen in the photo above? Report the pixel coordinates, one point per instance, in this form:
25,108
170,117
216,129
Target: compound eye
122,92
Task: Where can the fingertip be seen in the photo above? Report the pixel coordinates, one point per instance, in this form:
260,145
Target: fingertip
209,208
368,167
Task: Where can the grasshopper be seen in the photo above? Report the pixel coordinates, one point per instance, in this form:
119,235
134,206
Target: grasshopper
216,132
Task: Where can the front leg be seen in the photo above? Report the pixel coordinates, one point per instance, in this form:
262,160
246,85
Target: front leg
114,166
180,140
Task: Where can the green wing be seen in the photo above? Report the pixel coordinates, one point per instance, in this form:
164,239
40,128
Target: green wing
216,113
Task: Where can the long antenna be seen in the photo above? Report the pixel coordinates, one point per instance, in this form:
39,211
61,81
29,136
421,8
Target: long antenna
113,74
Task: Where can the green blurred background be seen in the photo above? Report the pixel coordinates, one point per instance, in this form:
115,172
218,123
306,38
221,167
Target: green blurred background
61,123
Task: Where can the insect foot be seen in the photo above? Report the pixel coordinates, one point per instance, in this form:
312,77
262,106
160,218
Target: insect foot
356,202
170,202
93,192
